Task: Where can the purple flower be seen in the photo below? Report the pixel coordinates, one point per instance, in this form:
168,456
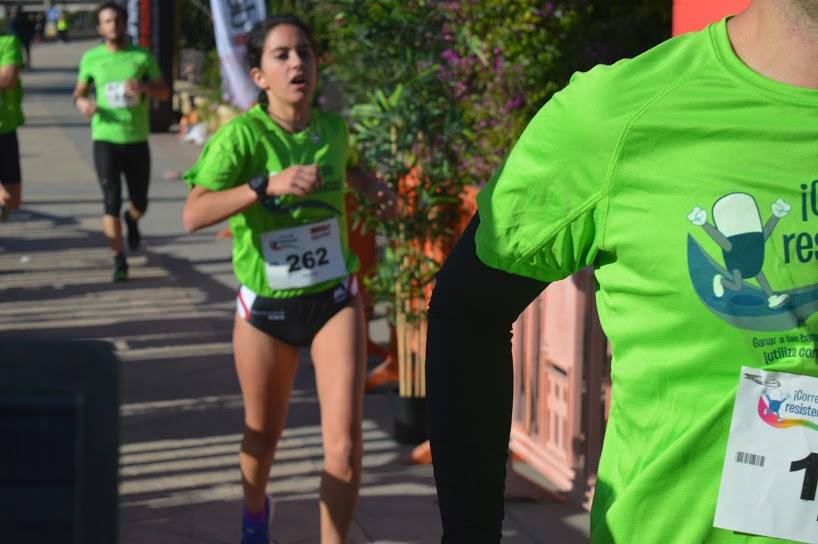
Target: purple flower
450,56
515,103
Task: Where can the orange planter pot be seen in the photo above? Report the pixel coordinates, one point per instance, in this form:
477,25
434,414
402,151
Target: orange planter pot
413,338
363,245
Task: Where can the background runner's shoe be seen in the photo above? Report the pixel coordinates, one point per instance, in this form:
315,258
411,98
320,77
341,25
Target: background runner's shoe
5,213
134,236
120,268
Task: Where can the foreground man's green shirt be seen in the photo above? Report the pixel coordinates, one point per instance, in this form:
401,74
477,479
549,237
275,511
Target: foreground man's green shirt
610,173
11,100
118,120
251,145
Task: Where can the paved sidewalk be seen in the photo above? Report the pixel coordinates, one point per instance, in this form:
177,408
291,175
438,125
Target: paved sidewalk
171,324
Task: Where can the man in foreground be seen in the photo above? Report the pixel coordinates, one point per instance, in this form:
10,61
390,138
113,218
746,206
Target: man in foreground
685,177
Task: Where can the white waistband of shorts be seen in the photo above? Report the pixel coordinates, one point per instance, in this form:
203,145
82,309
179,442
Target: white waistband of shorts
245,297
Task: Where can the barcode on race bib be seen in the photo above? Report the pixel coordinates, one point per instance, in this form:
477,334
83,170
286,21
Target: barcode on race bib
749,458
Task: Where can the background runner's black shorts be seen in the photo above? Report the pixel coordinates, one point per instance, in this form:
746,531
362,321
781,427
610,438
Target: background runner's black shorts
111,161
295,320
9,158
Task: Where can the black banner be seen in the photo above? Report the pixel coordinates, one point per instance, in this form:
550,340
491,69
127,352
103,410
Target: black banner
152,25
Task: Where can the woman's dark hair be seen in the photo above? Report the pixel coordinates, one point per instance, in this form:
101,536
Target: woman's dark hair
257,37
114,6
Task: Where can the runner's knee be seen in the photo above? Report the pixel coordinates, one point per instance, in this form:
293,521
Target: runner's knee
139,203
260,443
342,458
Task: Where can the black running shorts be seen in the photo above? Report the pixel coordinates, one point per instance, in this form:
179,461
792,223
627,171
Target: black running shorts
113,160
9,159
295,320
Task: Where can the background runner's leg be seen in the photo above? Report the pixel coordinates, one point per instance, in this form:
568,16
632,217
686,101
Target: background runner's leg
10,194
136,164
106,161
113,232
338,354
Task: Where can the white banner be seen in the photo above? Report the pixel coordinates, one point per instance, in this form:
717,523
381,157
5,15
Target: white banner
232,20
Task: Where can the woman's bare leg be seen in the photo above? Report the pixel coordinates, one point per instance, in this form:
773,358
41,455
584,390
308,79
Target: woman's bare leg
338,353
266,369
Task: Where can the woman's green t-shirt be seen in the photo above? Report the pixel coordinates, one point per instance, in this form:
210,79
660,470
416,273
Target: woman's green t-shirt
252,145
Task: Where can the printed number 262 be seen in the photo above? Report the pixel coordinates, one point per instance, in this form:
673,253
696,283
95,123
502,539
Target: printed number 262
308,259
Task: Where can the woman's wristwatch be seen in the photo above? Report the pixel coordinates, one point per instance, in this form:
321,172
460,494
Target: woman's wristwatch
259,185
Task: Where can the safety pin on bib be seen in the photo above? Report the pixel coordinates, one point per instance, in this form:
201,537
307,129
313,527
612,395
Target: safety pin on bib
768,382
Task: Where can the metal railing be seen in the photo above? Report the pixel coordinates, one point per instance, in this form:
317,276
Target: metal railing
561,386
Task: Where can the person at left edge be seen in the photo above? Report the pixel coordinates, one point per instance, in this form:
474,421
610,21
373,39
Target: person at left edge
11,117
124,77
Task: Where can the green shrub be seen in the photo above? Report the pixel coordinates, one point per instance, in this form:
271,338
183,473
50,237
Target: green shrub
407,126
508,58
444,88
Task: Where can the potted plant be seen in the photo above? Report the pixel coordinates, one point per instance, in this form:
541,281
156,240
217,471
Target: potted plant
409,131
441,91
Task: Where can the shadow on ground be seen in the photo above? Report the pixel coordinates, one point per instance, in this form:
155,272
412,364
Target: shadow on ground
181,410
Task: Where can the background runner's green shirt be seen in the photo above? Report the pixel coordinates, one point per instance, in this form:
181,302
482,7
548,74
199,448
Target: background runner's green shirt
11,100
109,70
607,174
251,145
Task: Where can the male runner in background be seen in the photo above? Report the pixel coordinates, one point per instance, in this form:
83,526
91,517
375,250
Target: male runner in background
125,78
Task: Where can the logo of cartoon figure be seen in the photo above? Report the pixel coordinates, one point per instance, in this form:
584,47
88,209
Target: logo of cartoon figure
774,399
770,402
738,231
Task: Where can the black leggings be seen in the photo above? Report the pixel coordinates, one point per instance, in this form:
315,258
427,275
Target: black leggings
469,388
9,158
113,160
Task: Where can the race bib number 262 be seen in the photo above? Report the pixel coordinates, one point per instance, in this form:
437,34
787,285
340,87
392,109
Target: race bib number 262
770,475
303,256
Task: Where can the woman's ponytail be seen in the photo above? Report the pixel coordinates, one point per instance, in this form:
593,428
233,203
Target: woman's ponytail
262,98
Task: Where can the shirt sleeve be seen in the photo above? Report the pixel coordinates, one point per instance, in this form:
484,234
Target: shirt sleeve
153,71
84,75
225,159
351,158
541,214
13,55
